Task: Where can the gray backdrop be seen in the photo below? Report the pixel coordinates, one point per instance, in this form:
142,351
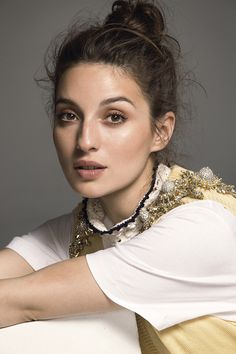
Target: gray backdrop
32,187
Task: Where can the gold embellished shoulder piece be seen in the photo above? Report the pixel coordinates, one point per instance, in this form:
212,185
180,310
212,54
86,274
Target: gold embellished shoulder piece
80,233
181,187
84,239
184,184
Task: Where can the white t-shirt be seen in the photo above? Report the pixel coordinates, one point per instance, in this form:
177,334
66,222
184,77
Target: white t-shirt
181,268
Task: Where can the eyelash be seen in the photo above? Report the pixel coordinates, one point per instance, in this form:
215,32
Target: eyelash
117,114
66,117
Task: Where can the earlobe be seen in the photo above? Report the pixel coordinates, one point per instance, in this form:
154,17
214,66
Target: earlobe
164,131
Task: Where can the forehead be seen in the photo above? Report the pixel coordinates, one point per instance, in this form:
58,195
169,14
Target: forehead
97,80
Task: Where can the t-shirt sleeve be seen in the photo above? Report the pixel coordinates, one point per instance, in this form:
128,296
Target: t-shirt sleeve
47,244
181,268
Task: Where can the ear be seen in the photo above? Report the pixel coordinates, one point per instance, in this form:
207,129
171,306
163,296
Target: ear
163,132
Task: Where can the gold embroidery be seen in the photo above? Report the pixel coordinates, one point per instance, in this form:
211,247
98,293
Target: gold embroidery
189,185
81,234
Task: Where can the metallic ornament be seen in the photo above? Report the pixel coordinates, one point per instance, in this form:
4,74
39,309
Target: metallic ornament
206,173
168,186
81,234
131,226
144,215
188,184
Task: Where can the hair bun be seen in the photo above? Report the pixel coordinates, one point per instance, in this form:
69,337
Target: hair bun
138,15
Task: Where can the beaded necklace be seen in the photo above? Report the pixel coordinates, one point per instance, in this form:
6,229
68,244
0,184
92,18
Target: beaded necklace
164,195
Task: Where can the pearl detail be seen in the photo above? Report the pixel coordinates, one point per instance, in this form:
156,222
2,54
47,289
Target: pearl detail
168,186
206,173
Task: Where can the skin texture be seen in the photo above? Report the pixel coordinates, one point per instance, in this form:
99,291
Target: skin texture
12,265
61,289
117,135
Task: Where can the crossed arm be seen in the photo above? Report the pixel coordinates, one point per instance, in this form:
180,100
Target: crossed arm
64,288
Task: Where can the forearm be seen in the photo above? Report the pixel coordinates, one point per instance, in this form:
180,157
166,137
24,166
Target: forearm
62,289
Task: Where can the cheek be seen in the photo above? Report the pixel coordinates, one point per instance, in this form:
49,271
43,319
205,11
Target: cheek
132,142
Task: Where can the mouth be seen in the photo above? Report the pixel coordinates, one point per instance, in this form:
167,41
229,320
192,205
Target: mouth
88,165
89,170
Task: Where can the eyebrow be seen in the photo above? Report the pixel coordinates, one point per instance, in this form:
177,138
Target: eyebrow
63,100
115,99
103,103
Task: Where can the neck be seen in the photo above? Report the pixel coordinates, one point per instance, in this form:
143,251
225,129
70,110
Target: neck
122,204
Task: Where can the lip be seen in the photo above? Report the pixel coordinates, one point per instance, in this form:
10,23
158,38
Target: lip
89,174
84,163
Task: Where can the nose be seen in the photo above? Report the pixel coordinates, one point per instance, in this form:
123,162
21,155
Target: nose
88,137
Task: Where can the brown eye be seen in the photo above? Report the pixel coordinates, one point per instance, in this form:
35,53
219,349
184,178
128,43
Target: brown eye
67,116
116,118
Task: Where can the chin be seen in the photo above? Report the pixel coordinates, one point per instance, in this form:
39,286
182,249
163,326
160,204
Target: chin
87,192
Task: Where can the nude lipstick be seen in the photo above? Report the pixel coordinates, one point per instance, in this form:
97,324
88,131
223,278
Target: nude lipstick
89,170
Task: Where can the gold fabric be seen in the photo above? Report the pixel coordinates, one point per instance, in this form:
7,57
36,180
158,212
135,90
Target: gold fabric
207,335
149,339
227,200
204,335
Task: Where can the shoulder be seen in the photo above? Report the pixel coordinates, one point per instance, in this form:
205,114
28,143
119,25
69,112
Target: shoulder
46,244
185,186
205,220
194,219
196,238
55,232
59,223
199,213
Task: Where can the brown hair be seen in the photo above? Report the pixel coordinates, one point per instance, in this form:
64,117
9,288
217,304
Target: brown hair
132,37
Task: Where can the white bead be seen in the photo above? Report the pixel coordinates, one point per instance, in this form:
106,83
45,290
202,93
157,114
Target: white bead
131,226
206,173
168,186
144,215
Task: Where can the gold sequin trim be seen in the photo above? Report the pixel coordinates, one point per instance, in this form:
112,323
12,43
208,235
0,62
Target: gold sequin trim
189,184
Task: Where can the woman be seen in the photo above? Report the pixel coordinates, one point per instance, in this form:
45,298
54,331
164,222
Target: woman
168,234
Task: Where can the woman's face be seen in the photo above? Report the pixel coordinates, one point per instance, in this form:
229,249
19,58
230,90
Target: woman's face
102,131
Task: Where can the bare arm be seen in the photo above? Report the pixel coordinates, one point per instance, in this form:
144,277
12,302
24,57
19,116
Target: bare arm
61,289
12,265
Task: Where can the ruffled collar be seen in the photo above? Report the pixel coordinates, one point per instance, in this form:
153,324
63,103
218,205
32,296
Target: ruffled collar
130,227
